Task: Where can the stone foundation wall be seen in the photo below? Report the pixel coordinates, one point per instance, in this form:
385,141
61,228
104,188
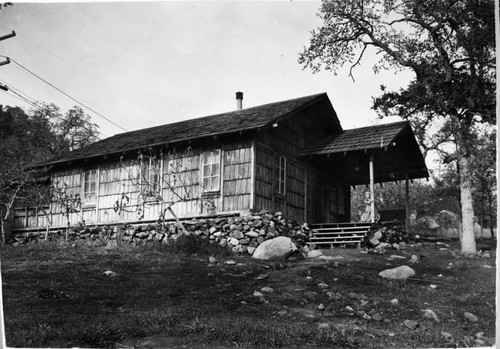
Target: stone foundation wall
242,234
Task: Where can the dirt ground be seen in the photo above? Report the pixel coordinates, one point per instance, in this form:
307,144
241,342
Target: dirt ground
62,296
350,273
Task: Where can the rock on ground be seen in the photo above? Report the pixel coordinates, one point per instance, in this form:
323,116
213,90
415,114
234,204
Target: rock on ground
314,254
470,317
274,248
401,272
429,314
411,324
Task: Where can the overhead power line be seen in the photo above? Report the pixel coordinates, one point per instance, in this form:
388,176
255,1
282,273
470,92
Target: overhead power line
64,93
11,87
15,92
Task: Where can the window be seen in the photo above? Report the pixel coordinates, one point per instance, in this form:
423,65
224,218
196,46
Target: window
150,175
281,175
211,171
90,186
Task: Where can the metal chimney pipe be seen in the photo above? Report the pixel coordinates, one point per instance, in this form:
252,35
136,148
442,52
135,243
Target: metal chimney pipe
239,100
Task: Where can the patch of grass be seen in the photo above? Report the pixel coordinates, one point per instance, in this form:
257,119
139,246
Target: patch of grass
58,295
189,244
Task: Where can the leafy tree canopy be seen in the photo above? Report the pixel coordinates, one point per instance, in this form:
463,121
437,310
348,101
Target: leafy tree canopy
450,47
27,138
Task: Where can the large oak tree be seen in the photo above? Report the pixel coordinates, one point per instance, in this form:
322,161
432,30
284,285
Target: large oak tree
449,45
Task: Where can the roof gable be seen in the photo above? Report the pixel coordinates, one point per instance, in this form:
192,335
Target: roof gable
214,125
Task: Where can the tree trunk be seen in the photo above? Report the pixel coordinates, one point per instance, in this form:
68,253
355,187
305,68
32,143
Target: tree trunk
481,217
3,230
468,241
492,217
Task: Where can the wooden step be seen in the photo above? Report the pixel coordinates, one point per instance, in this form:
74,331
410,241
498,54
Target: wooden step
339,225
339,233
349,238
336,242
330,236
346,229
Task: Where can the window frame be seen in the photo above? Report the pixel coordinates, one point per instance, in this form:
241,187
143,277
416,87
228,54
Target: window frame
280,178
150,167
87,198
213,154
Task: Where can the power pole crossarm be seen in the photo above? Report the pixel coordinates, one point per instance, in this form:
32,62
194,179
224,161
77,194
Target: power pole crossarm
11,35
5,62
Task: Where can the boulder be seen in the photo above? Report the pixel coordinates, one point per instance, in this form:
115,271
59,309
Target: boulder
267,289
234,241
449,224
252,234
237,234
429,314
470,317
375,240
401,272
426,223
410,324
445,224
274,248
478,231
314,254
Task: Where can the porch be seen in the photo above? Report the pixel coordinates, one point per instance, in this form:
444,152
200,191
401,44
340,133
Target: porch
366,156
353,233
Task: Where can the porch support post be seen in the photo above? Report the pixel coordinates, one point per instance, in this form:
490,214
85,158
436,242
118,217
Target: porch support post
372,190
407,203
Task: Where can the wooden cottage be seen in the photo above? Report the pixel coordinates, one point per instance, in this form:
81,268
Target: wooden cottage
291,156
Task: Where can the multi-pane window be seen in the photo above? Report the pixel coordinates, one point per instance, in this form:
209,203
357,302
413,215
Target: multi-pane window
150,175
90,186
281,175
211,170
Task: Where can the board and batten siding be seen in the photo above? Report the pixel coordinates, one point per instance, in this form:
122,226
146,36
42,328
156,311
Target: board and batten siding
292,202
69,180
288,139
309,192
237,177
119,186
181,179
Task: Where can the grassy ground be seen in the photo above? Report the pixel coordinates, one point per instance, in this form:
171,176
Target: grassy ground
59,296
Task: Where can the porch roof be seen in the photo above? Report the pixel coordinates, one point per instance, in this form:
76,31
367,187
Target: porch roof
394,148
363,138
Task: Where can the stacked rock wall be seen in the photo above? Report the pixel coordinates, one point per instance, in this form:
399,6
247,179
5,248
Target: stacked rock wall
242,234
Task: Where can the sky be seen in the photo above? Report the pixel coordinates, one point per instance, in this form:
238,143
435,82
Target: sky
152,63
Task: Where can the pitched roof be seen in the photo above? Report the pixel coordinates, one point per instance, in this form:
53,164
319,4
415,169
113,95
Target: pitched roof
214,125
370,137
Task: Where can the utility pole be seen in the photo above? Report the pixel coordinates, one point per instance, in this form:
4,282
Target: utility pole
7,61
